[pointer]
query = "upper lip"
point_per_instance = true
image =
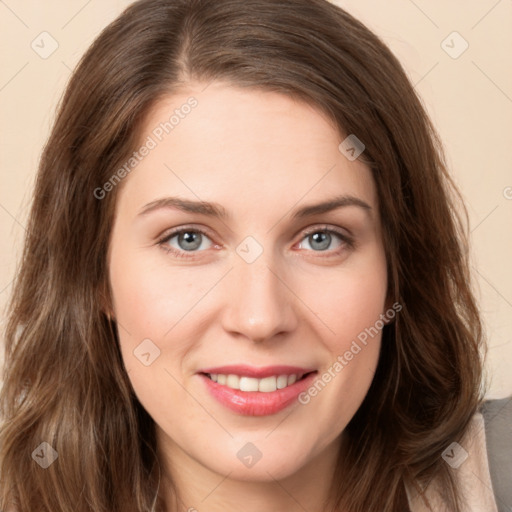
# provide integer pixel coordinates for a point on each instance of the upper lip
(258, 373)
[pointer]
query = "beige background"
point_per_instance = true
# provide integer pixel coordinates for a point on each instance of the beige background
(468, 97)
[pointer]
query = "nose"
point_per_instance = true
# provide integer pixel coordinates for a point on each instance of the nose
(259, 303)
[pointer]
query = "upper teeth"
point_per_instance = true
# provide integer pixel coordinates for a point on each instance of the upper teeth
(266, 385)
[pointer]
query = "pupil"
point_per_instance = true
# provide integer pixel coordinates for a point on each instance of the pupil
(188, 237)
(323, 238)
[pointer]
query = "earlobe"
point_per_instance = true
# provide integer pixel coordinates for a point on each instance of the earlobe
(387, 319)
(105, 305)
(389, 314)
(109, 315)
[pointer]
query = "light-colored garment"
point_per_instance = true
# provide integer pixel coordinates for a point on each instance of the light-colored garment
(472, 475)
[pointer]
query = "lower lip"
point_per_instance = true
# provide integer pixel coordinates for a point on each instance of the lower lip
(257, 403)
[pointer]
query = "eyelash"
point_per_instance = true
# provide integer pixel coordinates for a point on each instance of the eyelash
(347, 242)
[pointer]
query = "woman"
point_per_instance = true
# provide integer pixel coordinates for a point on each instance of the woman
(177, 339)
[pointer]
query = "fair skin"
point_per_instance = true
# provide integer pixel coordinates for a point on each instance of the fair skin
(261, 156)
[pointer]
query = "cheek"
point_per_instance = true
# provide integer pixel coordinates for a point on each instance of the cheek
(351, 306)
(148, 303)
(349, 301)
(149, 298)
(157, 302)
(143, 310)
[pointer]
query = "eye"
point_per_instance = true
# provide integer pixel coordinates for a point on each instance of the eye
(320, 239)
(185, 240)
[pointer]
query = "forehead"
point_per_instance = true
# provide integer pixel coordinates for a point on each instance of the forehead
(242, 147)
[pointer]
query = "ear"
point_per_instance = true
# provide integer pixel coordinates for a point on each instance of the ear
(106, 304)
(390, 310)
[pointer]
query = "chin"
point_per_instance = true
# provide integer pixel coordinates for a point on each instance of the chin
(261, 460)
(263, 471)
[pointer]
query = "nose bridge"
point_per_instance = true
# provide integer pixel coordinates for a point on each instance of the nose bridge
(258, 304)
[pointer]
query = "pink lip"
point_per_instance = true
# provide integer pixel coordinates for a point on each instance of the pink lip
(256, 403)
(258, 373)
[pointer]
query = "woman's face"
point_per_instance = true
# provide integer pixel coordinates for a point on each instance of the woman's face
(262, 281)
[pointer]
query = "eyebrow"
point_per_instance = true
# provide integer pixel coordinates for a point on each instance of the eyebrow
(217, 210)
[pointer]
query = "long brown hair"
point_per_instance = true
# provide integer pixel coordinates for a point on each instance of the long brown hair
(64, 379)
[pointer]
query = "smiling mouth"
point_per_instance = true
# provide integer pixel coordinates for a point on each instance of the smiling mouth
(260, 392)
(251, 384)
